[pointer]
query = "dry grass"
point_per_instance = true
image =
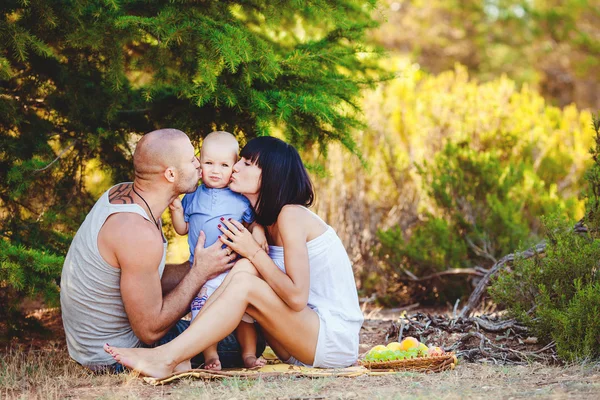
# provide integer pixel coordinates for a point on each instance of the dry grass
(41, 369)
(49, 374)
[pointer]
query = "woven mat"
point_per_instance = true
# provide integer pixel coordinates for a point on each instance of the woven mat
(276, 368)
(266, 371)
(272, 370)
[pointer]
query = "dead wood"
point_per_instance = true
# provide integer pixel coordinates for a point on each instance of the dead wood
(474, 338)
(498, 326)
(452, 271)
(477, 294)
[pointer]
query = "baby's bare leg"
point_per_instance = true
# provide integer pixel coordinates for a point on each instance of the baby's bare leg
(211, 358)
(246, 335)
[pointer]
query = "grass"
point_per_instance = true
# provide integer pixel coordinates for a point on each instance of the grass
(48, 373)
(40, 368)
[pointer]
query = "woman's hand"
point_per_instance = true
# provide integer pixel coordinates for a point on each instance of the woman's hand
(238, 238)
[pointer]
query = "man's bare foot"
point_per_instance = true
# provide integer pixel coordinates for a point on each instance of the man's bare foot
(213, 364)
(251, 361)
(148, 362)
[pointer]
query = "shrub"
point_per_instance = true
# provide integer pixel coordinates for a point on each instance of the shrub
(557, 293)
(485, 160)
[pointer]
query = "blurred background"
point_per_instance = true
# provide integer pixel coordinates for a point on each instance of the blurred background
(485, 128)
(438, 133)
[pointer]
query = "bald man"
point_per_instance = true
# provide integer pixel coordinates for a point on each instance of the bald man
(114, 287)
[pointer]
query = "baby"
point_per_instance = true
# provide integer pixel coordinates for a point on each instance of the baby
(202, 211)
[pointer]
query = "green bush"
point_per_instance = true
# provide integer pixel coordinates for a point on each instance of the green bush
(80, 81)
(472, 167)
(25, 273)
(557, 293)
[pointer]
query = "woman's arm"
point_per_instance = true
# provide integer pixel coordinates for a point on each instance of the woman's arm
(292, 286)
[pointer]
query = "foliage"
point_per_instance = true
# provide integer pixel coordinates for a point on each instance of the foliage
(488, 160)
(558, 293)
(550, 45)
(25, 273)
(80, 81)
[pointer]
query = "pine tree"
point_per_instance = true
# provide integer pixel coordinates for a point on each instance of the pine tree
(80, 79)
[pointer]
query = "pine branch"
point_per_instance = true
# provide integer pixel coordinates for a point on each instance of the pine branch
(60, 155)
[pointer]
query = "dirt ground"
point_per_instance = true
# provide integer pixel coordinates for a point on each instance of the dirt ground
(39, 367)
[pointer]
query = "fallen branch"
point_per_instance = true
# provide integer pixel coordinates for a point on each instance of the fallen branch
(452, 271)
(458, 335)
(477, 294)
(498, 327)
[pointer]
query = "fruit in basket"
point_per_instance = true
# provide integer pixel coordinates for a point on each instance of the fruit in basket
(409, 348)
(409, 343)
(412, 352)
(388, 355)
(394, 346)
(435, 351)
(423, 350)
(377, 348)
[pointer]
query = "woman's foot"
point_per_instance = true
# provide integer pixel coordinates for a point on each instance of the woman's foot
(183, 366)
(212, 364)
(147, 362)
(251, 361)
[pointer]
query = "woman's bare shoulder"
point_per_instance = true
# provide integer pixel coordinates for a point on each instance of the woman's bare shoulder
(298, 217)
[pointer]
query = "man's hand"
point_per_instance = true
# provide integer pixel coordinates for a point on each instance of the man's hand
(213, 260)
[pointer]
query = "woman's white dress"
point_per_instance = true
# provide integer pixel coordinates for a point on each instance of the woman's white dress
(332, 295)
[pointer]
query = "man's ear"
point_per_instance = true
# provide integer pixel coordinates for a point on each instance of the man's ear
(170, 174)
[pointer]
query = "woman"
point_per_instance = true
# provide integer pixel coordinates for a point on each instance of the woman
(302, 293)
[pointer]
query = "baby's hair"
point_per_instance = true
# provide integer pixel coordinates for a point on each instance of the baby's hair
(222, 137)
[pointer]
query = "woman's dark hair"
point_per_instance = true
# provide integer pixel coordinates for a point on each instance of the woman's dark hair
(284, 180)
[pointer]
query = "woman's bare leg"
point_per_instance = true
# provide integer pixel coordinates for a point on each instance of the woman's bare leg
(211, 356)
(297, 332)
(242, 265)
(277, 348)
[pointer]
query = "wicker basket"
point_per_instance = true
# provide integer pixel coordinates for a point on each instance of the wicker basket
(422, 364)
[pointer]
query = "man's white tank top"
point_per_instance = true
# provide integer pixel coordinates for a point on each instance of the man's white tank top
(90, 292)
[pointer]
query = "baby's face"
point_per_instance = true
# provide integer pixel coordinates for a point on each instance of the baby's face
(217, 163)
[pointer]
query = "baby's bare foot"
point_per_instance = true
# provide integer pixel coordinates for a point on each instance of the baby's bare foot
(148, 362)
(251, 361)
(213, 364)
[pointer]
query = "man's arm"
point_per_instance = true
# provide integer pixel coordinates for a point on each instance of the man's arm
(138, 249)
(172, 275)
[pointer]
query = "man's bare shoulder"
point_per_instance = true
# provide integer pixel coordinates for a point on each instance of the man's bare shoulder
(121, 194)
(130, 237)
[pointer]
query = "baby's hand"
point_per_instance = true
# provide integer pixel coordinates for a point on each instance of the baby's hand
(176, 205)
(258, 233)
